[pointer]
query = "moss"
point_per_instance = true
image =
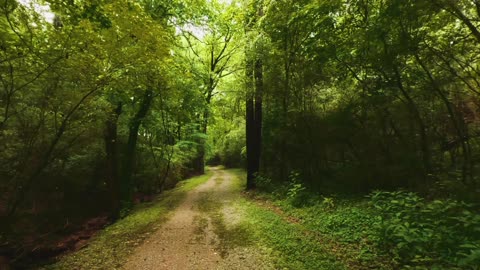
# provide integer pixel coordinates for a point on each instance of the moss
(110, 248)
(229, 235)
(207, 204)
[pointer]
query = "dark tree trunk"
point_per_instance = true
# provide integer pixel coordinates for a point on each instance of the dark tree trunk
(112, 161)
(451, 7)
(126, 189)
(257, 139)
(254, 115)
(422, 129)
(250, 127)
(199, 161)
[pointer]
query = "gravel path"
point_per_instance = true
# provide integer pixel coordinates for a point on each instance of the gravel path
(204, 232)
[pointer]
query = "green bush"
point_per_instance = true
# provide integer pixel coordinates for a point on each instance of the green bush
(434, 233)
(264, 182)
(297, 192)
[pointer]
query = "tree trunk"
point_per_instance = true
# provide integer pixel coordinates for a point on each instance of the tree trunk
(126, 189)
(257, 140)
(47, 157)
(250, 126)
(199, 161)
(112, 161)
(254, 114)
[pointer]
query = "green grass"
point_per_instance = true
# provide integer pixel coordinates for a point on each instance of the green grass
(289, 245)
(345, 224)
(386, 230)
(110, 248)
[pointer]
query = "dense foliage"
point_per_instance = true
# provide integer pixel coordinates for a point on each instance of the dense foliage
(384, 230)
(93, 114)
(366, 95)
(437, 233)
(385, 91)
(105, 103)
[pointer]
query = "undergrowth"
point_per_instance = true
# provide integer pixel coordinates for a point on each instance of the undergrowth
(428, 234)
(109, 249)
(288, 244)
(384, 230)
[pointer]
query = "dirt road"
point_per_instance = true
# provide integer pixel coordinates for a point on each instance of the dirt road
(204, 232)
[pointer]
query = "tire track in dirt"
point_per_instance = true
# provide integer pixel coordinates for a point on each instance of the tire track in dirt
(204, 232)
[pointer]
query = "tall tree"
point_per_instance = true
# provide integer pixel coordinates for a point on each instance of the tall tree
(254, 78)
(211, 47)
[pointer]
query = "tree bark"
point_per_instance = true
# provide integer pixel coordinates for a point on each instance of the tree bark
(126, 189)
(254, 72)
(250, 125)
(112, 161)
(451, 7)
(424, 142)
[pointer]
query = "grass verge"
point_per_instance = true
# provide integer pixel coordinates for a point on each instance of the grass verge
(341, 226)
(289, 244)
(110, 248)
(384, 230)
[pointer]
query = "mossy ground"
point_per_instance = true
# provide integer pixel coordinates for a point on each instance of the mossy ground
(110, 248)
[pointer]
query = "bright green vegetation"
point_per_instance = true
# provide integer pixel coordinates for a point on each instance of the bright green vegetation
(109, 249)
(104, 104)
(385, 230)
(435, 233)
(107, 103)
(289, 245)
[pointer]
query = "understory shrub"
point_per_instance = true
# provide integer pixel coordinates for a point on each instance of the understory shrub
(443, 233)
(297, 192)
